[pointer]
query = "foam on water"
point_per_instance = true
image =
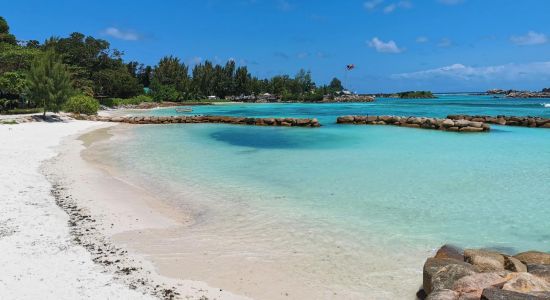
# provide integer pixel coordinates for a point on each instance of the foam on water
(349, 209)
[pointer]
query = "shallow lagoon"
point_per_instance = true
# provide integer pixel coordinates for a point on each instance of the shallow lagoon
(364, 204)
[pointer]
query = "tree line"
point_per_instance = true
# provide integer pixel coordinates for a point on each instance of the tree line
(89, 66)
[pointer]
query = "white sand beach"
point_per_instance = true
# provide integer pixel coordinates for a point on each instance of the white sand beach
(43, 257)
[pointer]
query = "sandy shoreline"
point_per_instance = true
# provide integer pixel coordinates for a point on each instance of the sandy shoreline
(70, 255)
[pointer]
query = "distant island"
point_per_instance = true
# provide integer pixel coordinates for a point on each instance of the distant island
(544, 93)
(409, 95)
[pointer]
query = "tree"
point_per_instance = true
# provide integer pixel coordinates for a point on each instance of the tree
(5, 35)
(49, 82)
(171, 75)
(116, 83)
(12, 85)
(15, 58)
(336, 85)
(242, 79)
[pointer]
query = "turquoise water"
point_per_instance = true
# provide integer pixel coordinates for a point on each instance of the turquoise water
(327, 113)
(368, 189)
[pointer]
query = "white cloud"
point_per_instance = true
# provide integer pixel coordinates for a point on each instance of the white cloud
(444, 43)
(285, 5)
(531, 38)
(384, 47)
(389, 8)
(450, 2)
(422, 39)
(510, 72)
(121, 34)
(372, 4)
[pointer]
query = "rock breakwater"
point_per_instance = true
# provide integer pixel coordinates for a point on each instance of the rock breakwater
(506, 120)
(454, 274)
(288, 122)
(417, 122)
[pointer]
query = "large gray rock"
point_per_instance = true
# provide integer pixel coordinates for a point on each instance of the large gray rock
(434, 272)
(526, 283)
(484, 260)
(534, 258)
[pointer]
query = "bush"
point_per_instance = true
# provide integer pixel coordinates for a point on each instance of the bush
(113, 102)
(81, 104)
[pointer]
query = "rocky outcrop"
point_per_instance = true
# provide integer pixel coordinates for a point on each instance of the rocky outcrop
(545, 93)
(506, 120)
(349, 98)
(288, 122)
(417, 122)
(475, 274)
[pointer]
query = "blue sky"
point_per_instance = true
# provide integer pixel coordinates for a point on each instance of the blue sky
(440, 45)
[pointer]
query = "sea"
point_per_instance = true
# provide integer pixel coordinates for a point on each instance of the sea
(340, 211)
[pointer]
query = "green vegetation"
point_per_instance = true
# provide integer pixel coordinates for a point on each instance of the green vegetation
(49, 82)
(34, 74)
(82, 104)
(114, 102)
(8, 122)
(416, 95)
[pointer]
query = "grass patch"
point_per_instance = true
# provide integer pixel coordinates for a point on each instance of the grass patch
(8, 122)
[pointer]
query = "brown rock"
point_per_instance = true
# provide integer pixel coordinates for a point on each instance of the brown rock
(526, 283)
(345, 119)
(447, 123)
(473, 285)
(443, 295)
(513, 264)
(446, 277)
(411, 125)
(484, 260)
(433, 265)
(498, 294)
(534, 258)
(449, 251)
(471, 129)
(541, 271)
